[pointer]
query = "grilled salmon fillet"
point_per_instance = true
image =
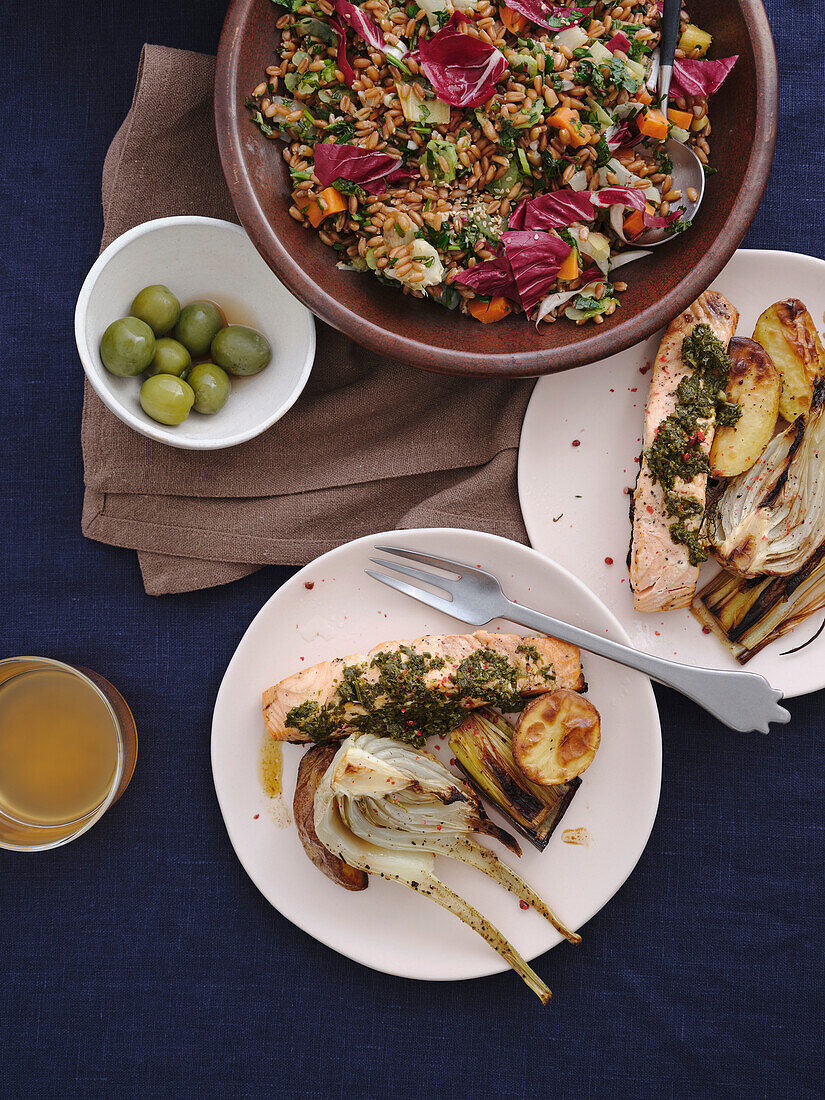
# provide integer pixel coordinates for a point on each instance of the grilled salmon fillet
(535, 664)
(661, 574)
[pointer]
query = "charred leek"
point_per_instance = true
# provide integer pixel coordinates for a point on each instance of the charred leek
(482, 747)
(749, 613)
(388, 809)
(771, 519)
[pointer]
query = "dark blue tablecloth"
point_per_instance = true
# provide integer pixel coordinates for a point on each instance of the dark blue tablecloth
(141, 961)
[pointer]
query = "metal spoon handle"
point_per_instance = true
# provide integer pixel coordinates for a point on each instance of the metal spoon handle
(741, 700)
(671, 25)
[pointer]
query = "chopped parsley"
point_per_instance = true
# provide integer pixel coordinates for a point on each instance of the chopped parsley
(590, 73)
(508, 136)
(594, 306)
(551, 165)
(681, 225)
(568, 238)
(259, 120)
(347, 187)
(603, 153)
(621, 76)
(342, 130)
(478, 227)
(637, 50)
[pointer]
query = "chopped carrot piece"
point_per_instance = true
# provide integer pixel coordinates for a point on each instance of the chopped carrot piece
(315, 210)
(564, 116)
(634, 223)
(680, 118)
(332, 201)
(309, 207)
(569, 269)
(488, 312)
(566, 121)
(514, 21)
(314, 213)
(574, 137)
(653, 124)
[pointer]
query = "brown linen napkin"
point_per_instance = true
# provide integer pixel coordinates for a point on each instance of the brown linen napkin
(371, 445)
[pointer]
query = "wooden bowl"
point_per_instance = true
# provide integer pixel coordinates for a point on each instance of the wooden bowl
(743, 115)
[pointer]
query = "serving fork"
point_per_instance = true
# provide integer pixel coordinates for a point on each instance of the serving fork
(740, 700)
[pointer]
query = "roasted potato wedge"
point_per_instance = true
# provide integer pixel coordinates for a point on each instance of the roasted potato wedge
(787, 333)
(556, 737)
(755, 386)
(311, 770)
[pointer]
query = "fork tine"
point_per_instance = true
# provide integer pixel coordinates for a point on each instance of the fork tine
(419, 594)
(427, 559)
(416, 574)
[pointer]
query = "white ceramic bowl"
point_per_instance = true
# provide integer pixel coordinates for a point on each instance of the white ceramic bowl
(198, 258)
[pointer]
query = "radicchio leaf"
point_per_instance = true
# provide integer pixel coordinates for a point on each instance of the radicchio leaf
(535, 259)
(620, 196)
(342, 61)
(516, 219)
(462, 69)
(372, 171)
(363, 26)
(659, 221)
(553, 210)
(621, 133)
(619, 41)
(560, 208)
(553, 17)
(491, 278)
(694, 77)
(635, 198)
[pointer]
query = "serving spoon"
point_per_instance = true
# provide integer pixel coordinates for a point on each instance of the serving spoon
(687, 171)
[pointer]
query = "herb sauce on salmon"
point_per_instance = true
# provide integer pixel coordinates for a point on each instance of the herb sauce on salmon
(683, 409)
(413, 690)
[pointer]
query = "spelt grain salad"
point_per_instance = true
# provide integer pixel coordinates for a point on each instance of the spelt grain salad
(493, 158)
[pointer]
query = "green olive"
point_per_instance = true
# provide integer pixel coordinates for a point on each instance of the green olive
(241, 350)
(166, 398)
(211, 387)
(158, 307)
(127, 347)
(197, 324)
(170, 358)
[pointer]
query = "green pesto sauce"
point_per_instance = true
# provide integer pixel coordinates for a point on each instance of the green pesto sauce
(676, 453)
(529, 651)
(400, 704)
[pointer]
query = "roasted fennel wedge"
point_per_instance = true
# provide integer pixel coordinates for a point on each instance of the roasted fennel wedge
(483, 749)
(771, 519)
(389, 809)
